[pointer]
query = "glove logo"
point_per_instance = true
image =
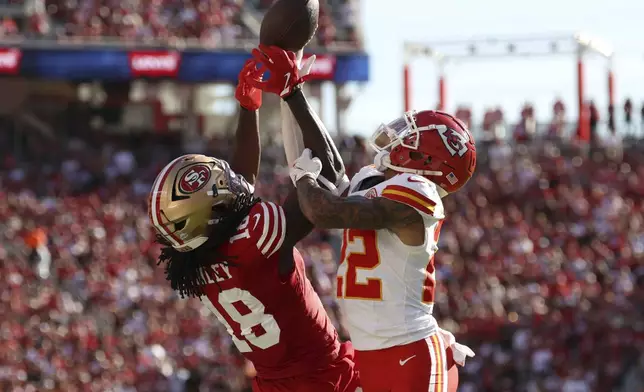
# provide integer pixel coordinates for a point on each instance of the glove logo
(286, 89)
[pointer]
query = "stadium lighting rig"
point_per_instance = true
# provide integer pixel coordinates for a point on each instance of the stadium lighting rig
(578, 45)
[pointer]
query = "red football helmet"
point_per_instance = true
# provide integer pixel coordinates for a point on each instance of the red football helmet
(430, 143)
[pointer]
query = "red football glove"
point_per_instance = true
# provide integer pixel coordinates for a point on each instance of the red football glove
(249, 97)
(285, 74)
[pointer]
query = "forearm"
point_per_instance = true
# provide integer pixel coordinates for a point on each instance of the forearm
(247, 150)
(316, 137)
(309, 194)
(327, 211)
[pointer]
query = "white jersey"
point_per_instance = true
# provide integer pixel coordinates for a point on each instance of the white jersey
(386, 288)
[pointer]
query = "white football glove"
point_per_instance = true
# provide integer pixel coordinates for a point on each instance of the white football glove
(305, 166)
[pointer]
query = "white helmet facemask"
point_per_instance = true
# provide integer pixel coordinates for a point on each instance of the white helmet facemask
(390, 135)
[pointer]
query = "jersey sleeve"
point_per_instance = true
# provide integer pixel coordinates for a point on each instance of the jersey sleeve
(416, 192)
(267, 227)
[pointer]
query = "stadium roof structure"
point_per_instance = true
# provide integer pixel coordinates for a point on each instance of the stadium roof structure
(578, 45)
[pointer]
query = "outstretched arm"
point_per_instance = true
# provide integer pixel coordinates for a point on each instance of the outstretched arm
(247, 150)
(285, 80)
(316, 137)
(318, 140)
(328, 211)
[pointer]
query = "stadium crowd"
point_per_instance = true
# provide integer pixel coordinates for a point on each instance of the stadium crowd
(213, 23)
(540, 269)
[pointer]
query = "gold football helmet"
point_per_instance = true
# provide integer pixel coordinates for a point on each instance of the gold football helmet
(186, 195)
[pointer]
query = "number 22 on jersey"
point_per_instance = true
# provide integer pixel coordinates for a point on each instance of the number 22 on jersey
(360, 252)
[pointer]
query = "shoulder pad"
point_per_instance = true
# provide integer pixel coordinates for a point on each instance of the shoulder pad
(415, 191)
(267, 227)
(364, 174)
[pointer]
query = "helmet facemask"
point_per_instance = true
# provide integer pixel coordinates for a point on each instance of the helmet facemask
(397, 132)
(236, 186)
(401, 132)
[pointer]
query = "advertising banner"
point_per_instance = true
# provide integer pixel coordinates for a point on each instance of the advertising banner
(324, 66)
(10, 61)
(80, 63)
(155, 64)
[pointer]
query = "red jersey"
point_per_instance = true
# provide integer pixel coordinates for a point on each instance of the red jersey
(278, 323)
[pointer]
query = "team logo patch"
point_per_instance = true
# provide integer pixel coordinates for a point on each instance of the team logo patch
(455, 142)
(416, 179)
(194, 179)
(371, 193)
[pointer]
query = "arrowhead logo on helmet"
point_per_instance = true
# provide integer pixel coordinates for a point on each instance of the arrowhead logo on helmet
(455, 142)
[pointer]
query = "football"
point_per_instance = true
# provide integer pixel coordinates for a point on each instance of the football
(290, 24)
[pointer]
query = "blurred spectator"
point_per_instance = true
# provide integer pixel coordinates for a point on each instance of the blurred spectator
(628, 111)
(8, 28)
(464, 114)
(527, 126)
(558, 120)
(611, 118)
(493, 126)
(628, 116)
(594, 122)
(39, 256)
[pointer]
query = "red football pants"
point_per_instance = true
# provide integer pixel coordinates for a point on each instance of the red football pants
(422, 366)
(339, 376)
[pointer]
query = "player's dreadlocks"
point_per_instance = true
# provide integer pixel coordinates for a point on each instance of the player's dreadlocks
(185, 270)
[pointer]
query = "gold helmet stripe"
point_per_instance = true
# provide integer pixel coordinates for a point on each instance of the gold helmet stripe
(155, 202)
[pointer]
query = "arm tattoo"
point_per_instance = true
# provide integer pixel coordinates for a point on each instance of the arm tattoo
(328, 211)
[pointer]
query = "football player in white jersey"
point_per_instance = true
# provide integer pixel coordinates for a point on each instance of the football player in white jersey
(392, 218)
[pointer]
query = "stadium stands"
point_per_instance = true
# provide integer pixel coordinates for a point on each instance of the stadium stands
(540, 269)
(215, 23)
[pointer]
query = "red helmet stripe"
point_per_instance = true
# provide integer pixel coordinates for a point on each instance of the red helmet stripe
(155, 204)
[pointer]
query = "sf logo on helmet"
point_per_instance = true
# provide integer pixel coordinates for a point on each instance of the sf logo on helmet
(455, 142)
(194, 179)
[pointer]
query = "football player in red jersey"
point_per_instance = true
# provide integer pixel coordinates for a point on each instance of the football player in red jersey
(236, 253)
(391, 220)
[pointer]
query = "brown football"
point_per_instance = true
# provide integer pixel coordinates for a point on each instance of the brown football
(290, 24)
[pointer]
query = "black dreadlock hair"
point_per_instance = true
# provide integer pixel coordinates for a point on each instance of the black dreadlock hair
(185, 270)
